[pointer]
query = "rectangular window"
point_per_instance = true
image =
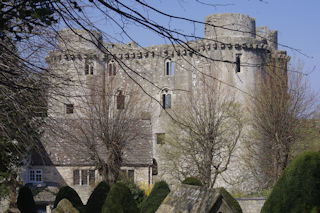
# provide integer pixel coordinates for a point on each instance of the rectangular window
(91, 177)
(172, 68)
(166, 101)
(238, 63)
(76, 177)
(86, 69)
(83, 177)
(160, 138)
(35, 176)
(120, 101)
(69, 108)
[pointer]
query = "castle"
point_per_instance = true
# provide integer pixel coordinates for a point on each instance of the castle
(233, 50)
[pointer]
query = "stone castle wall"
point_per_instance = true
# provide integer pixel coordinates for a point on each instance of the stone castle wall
(227, 36)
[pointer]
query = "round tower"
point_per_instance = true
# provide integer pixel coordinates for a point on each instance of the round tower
(76, 39)
(229, 25)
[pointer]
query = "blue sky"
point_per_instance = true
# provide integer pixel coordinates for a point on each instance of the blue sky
(297, 23)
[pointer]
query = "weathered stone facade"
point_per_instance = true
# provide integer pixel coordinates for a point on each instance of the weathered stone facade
(160, 70)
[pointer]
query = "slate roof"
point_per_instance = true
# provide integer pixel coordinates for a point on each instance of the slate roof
(64, 151)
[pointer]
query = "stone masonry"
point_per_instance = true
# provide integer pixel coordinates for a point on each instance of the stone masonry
(160, 70)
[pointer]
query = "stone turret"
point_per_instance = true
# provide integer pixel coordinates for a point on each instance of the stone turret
(229, 25)
(270, 36)
(75, 39)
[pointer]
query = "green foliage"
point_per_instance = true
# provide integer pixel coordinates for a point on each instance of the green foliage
(137, 193)
(119, 200)
(233, 202)
(298, 188)
(65, 206)
(25, 201)
(71, 195)
(192, 181)
(97, 197)
(157, 195)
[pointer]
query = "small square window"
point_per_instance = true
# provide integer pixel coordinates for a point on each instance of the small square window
(35, 175)
(160, 138)
(69, 108)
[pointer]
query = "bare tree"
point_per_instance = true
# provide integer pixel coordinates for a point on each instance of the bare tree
(204, 134)
(105, 122)
(279, 116)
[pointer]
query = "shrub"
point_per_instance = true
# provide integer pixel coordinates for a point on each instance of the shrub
(71, 195)
(25, 201)
(119, 200)
(157, 195)
(192, 181)
(233, 202)
(298, 188)
(97, 197)
(65, 206)
(137, 193)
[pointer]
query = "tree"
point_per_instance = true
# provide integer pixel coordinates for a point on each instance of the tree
(20, 104)
(105, 122)
(279, 116)
(205, 133)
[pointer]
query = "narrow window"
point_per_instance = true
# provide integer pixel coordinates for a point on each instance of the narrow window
(86, 69)
(38, 176)
(120, 100)
(69, 108)
(91, 177)
(166, 101)
(131, 175)
(160, 138)
(112, 68)
(237, 63)
(172, 68)
(91, 69)
(84, 177)
(32, 176)
(169, 67)
(76, 177)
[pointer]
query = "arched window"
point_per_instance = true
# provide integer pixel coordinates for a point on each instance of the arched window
(169, 67)
(165, 99)
(112, 68)
(88, 68)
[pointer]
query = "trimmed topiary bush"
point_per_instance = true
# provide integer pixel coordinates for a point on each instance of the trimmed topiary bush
(192, 181)
(298, 188)
(65, 206)
(71, 195)
(137, 193)
(119, 200)
(25, 201)
(97, 197)
(157, 195)
(233, 202)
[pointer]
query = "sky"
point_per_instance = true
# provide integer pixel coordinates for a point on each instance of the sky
(297, 23)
